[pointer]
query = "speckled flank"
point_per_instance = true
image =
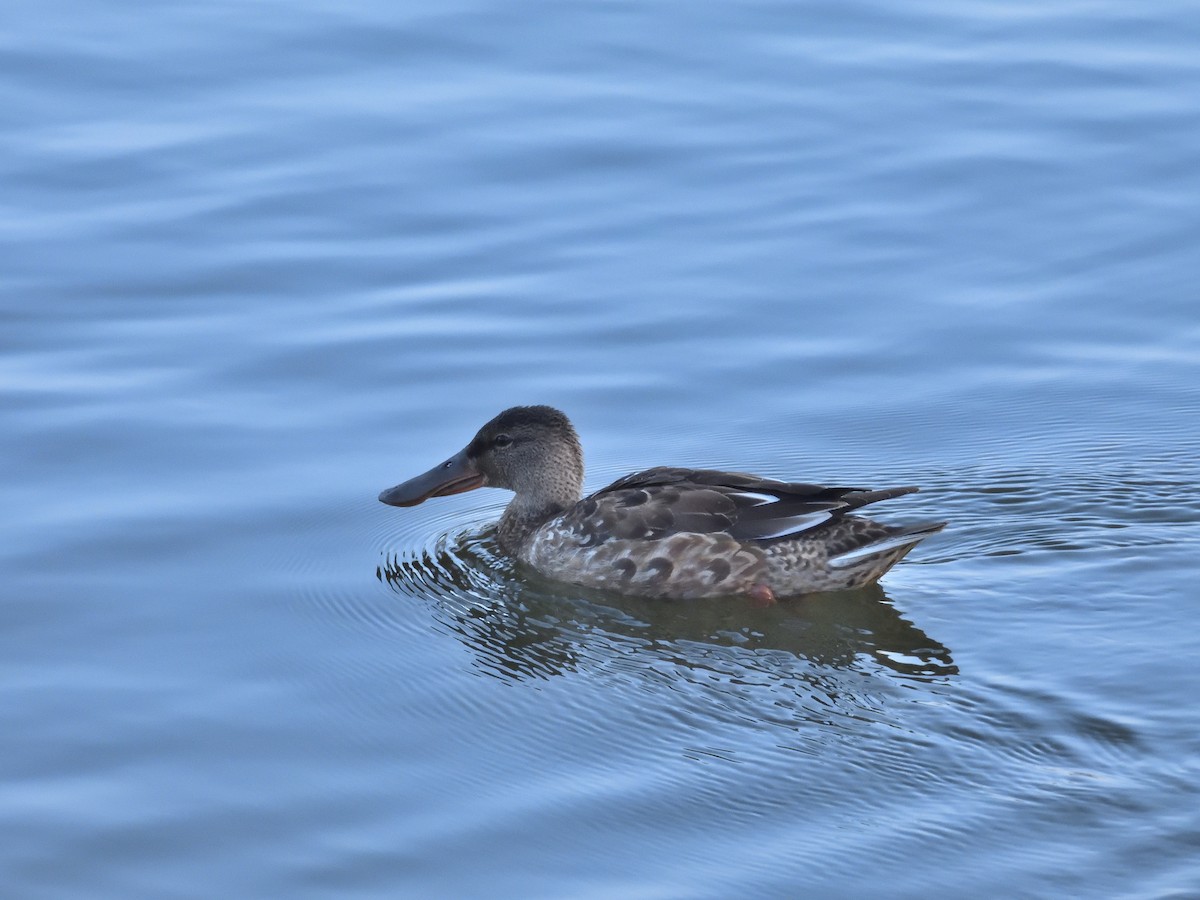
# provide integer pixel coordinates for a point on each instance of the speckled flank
(691, 566)
(686, 566)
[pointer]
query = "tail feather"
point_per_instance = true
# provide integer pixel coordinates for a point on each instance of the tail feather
(905, 536)
(858, 499)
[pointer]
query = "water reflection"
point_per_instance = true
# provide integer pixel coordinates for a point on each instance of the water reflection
(519, 625)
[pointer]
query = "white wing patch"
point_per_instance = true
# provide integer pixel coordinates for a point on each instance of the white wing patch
(755, 498)
(782, 527)
(850, 557)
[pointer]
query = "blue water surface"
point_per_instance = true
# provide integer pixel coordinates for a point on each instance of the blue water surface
(260, 261)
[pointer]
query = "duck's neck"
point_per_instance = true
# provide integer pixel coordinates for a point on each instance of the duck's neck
(542, 492)
(525, 515)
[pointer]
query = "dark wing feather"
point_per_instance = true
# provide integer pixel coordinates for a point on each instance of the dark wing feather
(657, 502)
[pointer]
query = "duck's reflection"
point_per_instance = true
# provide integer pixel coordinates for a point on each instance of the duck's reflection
(519, 626)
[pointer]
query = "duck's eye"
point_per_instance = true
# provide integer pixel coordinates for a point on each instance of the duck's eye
(501, 441)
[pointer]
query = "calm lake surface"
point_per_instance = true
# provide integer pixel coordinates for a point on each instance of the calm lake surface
(262, 260)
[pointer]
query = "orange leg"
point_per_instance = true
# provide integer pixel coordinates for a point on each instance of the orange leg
(761, 596)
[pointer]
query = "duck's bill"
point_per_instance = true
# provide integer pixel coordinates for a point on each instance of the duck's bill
(454, 476)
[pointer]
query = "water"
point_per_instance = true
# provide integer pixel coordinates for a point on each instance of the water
(262, 260)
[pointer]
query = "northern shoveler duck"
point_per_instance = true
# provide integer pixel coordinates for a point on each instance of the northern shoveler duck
(665, 532)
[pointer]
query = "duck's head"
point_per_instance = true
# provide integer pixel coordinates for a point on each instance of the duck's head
(532, 450)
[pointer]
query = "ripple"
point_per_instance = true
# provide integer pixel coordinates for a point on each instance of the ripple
(1048, 510)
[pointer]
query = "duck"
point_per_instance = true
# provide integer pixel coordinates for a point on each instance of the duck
(666, 532)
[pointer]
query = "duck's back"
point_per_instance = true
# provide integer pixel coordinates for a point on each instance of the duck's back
(674, 532)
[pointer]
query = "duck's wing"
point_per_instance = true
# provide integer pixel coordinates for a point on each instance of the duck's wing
(658, 502)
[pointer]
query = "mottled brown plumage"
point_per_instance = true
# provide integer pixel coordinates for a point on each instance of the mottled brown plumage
(666, 532)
